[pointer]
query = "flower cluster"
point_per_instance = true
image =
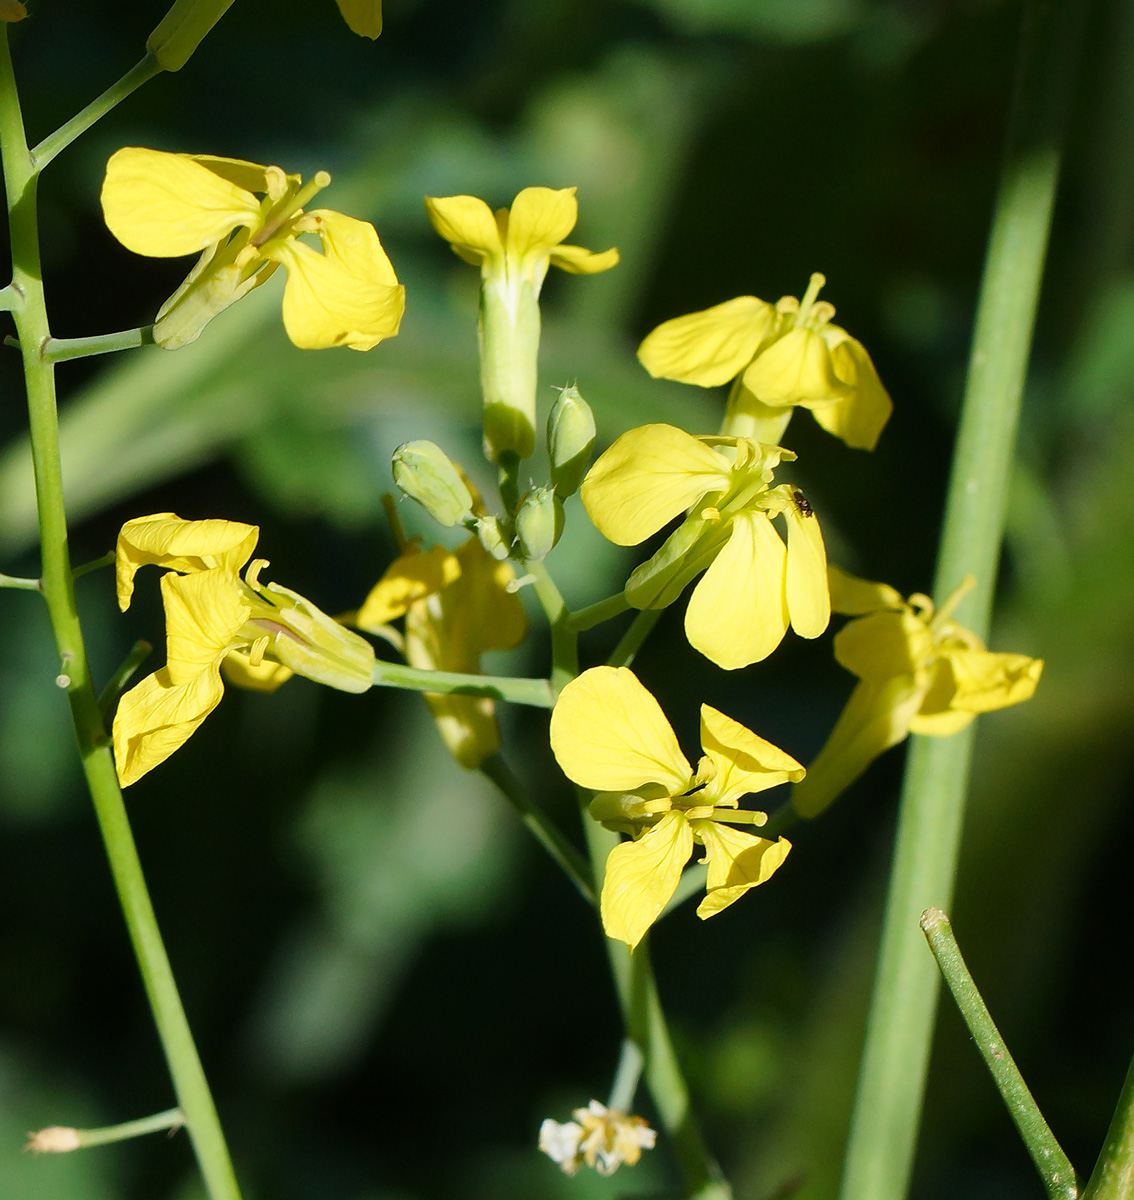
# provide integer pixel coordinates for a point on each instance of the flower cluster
(602, 1138)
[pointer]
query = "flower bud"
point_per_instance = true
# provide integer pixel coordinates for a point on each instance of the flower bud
(182, 29)
(425, 473)
(539, 523)
(492, 537)
(570, 440)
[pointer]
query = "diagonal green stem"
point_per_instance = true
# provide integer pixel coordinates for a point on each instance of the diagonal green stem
(534, 692)
(64, 349)
(1113, 1176)
(194, 1098)
(900, 1027)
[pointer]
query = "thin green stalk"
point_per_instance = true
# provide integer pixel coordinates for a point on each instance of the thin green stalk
(15, 581)
(625, 1085)
(632, 639)
(58, 141)
(108, 697)
(594, 614)
(1113, 1176)
(194, 1098)
(891, 1082)
(1053, 1165)
(63, 349)
(533, 692)
(564, 639)
(60, 1138)
(549, 836)
(96, 564)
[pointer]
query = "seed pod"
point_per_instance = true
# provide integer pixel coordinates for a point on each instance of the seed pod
(570, 440)
(425, 473)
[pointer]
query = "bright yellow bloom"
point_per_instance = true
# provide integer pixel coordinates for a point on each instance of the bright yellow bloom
(781, 356)
(601, 1137)
(919, 672)
(457, 607)
(262, 633)
(166, 205)
(754, 586)
(513, 249)
(610, 735)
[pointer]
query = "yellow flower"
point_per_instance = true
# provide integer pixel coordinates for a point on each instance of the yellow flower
(610, 735)
(919, 672)
(513, 249)
(457, 607)
(261, 633)
(754, 586)
(780, 357)
(166, 205)
(363, 16)
(601, 1137)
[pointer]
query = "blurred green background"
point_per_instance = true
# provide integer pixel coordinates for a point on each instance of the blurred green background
(390, 985)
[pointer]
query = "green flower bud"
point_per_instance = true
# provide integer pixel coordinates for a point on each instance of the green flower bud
(539, 523)
(570, 440)
(425, 473)
(492, 538)
(182, 29)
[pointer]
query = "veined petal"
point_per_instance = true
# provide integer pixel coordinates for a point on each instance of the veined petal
(363, 17)
(157, 717)
(966, 682)
(405, 580)
(737, 861)
(884, 644)
(738, 613)
(468, 225)
(266, 677)
(646, 478)
(860, 417)
(641, 877)
(539, 219)
(808, 597)
(165, 540)
(577, 261)
(346, 296)
(204, 612)
(745, 763)
(854, 596)
(709, 347)
(793, 369)
(165, 205)
(610, 735)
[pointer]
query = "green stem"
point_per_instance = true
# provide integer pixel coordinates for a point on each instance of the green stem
(20, 177)
(573, 864)
(118, 681)
(10, 299)
(622, 1091)
(82, 121)
(61, 1138)
(594, 614)
(1113, 1176)
(15, 581)
(96, 564)
(533, 692)
(63, 349)
(564, 639)
(891, 1082)
(632, 639)
(1053, 1165)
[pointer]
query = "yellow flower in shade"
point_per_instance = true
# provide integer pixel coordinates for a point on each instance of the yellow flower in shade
(457, 607)
(261, 633)
(781, 356)
(610, 735)
(363, 16)
(513, 249)
(247, 220)
(919, 672)
(753, 585)
(601, 1137)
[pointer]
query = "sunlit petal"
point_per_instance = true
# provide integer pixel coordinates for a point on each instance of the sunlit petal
(641, 877)
(793, 369)
(854, 596)
(737, 862)
(808, 598)
(745, 763)
(883, 644)
(577, 261)
(204, 612)
(405, 580)
(468, 225)
(539, 219)
(708, 347)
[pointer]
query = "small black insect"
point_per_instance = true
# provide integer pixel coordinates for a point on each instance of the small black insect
(801, 501)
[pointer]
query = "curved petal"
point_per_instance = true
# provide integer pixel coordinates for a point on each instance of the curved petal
(808, 596)
(859, 418)
(468, 225)
(738, 613)
(577, 261)
(346, 296)
(854, 596)
(266, 677)
(884, 644)
(363, 17)
(204, 613)
(157, 717)
(745, 763)
(165, 205)
(539, 219)
(646, 478)
(709, 347)
(737, 861)
(641, 877)
(966, 682)
(165, 540)
(408, 578)
(793, 369)
(610, 735)
(250, 176)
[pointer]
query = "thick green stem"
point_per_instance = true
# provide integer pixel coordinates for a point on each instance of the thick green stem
(891, 1082)
(16, 581)
(1113, 1176)
(1053, 1165)
(194, 1098)
(534, 692)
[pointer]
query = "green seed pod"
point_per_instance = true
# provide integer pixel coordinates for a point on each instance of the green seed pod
(539, 522)
(424, 472)
(181, 30)
(570, 440)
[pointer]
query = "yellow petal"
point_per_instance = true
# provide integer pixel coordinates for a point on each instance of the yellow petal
(649, 476)
(884, 644)
(737, 861)
(468, 225)
(364, 17)
(577, 261)
(860, 417)
(405, 580)
(738, 613)
(249, 176)
(204, 612)
(610, 735)
(238, 670)
(157, 717)
(708, 347)
(346, 296)
(467, 725)
(855, 596)
(745, 763)
(966, 682)
(641, 877)
(165, 205)
(165, 540)
(808, 597)
(793, 369)
(539, 219)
